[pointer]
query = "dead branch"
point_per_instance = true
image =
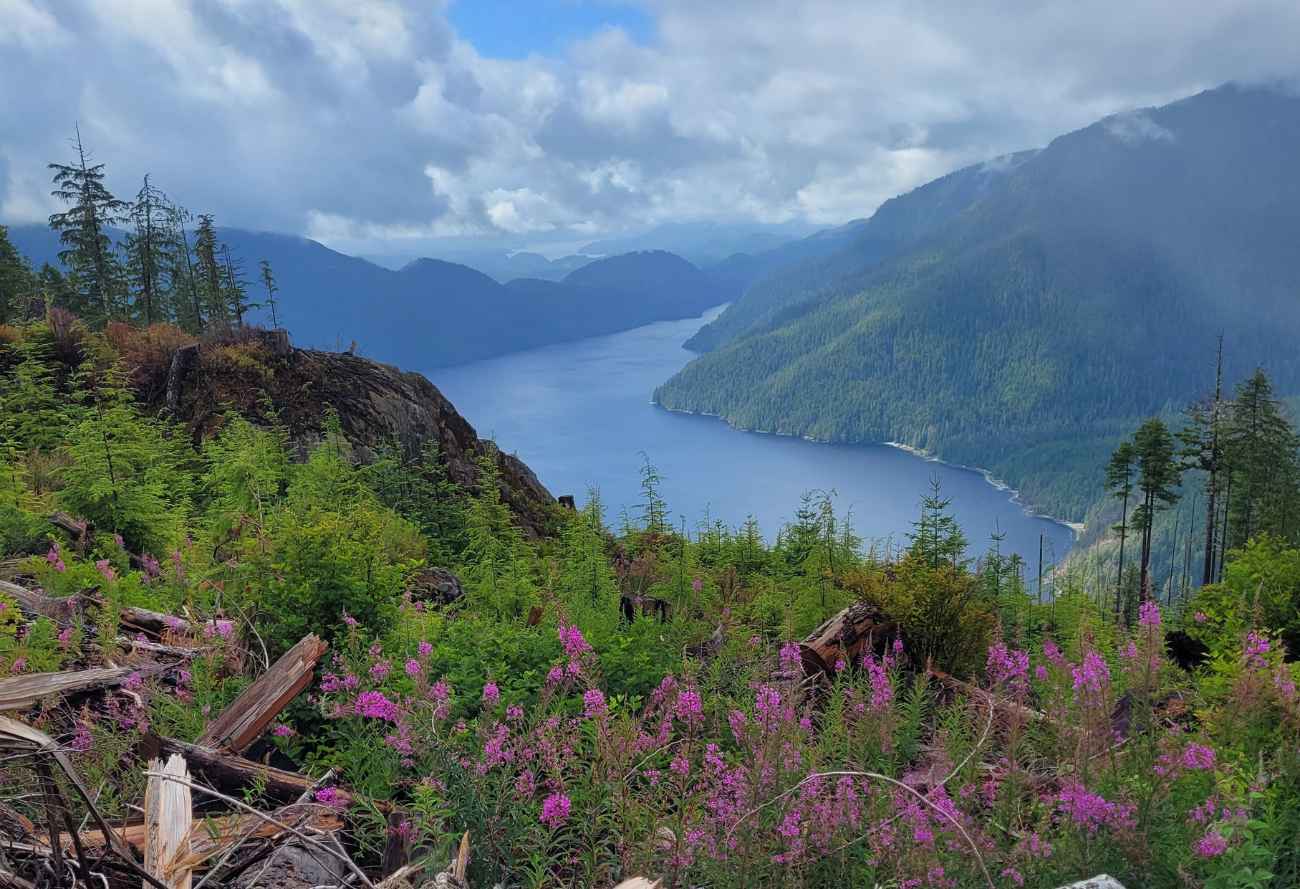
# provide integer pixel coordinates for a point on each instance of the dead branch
(240, 724)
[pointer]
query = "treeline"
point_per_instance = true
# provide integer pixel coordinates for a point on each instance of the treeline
(170, 266)
(1241, 456)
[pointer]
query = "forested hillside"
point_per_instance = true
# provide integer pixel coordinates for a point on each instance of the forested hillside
(428, 314)
(1081, 291)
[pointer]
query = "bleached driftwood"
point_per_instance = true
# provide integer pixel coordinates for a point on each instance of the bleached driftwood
(168, 822)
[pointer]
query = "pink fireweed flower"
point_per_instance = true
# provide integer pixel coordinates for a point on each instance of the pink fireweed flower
(350, 620)
(379, 670)
(593, 702)
(882, 689)
(332, 797)
(1091, 811)
(680, 765)
(690, 707)
(81, 738)
(283, 731)
(555, 675)
(134, 681)
(1256, 647)
(1040, 673)
(791, 660)
(555, 810)
(152, 570)
(375, 705)
(1212, 845)
(1149, 614)
(1200, 617)
(106, 570)
(1052, 653)
(491, 694)
(572, 639)
(424, 649)
(219, 628)
(697, 585)
(1007, 666)
(440, 691)
(1091, 675)
(65, 637)
(55, 558)
(19, 665)
(1198, 756)
(413, 667)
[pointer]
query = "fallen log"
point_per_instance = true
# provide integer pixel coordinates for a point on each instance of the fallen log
(64, 608)
(24, 692)
(168, 823)
(83, 535)
(248, 716)
(843, 637)
(230, 773)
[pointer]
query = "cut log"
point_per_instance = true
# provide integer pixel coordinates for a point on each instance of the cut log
(212, 836)
(231, 774)
(64, 608)
(168, 822)
(1026, 713)
(843, 637)
(24, 692)
(248, 716)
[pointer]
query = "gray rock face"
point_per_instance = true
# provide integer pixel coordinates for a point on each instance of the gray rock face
(258, 372)
(1101, 881)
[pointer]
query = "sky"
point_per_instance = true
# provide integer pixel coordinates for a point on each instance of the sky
(387, 125)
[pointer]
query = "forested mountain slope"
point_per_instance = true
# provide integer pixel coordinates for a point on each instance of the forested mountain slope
(1081, 290)
(433, 313)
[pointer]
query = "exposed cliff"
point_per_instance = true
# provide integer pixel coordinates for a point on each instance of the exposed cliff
(260, 374)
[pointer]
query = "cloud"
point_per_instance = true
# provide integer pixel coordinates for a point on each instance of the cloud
(1134, 128)
(363, 123)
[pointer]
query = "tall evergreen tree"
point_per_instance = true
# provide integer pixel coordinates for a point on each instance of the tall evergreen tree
(145, 249)
(83, 229)
(1202, 448)
(234, 286)
(17, 283)
(186, 298)
(1119, 481)
(268, 281)
(207, 251)
(1158, 475)
(1261, 447)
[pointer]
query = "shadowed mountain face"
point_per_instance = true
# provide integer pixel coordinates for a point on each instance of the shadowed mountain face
(432, 313)
(1020, 316)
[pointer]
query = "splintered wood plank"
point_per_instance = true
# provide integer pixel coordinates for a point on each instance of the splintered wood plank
(247, 717)
(168, 822)
(24, 692)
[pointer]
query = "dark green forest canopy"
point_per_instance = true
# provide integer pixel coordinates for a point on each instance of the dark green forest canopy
(1069, 297)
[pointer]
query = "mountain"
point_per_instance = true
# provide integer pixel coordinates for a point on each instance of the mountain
(432, 313)
(777, 279)
(1022, 317)
(703, 243)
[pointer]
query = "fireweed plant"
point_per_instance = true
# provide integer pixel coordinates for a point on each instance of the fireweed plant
(600, 704)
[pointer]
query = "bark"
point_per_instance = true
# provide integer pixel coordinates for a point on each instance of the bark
(168, 823)
(24, 692)
(243, 722)
(232, 774)
(844, 637)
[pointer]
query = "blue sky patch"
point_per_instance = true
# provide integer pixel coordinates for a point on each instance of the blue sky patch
(513, 29)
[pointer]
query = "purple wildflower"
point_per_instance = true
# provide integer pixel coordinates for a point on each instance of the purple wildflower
(555, 810)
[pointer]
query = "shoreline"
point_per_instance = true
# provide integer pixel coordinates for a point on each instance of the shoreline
(1077, 528)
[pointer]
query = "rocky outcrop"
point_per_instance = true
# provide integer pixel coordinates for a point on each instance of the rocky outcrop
(260, 374)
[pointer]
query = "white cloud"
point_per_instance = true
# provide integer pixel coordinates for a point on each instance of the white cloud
(367, 122)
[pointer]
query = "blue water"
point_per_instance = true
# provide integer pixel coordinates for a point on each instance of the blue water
(580, 415)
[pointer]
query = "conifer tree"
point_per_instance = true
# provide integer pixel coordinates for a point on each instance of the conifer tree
(268, 281)
(207, 251)
(183, 284)
(1119, 481)
(654, 511)
(145, 250)
(83, 229)
(17, 283)
(236, 289)
(1202, 448)
(1158, 474)
(936, 537)
(1261, 447)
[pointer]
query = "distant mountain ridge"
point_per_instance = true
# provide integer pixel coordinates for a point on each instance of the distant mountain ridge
(1022, 317)
(433, 313)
